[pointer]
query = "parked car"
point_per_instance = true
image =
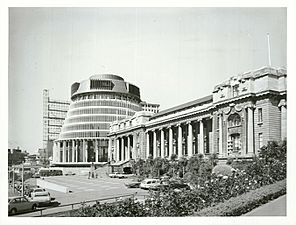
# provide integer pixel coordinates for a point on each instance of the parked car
(38, 190)
(148, 183)
(36, 175)
(41, 198)
(20, 204)
(69, 173)
(133, 184)
(113, 175)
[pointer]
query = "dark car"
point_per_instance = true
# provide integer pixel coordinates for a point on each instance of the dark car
(20, 204)
(170, 185)
(134, 184)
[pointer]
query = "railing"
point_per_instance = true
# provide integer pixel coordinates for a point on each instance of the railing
(71, 206)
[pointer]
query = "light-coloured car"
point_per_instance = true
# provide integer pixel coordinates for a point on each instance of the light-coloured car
(38, 190)
(113, 175)
(148, 183)
(20, 204)
(41, 198)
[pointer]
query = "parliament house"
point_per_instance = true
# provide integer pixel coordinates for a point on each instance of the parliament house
(240, 116)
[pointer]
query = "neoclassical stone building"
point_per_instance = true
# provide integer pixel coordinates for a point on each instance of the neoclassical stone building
(241, 115)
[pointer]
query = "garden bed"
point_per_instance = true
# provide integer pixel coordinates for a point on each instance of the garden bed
(244, 203)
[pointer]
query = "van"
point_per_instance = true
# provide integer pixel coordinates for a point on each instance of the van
(148, 183)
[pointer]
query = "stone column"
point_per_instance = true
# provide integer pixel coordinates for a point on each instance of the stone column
(180, 141)
(154, 144)
(117, 149)
(171, 150)
(283, 107)
(162, 153)
(147, 145)
(220, 133)
(128, 148)
(201, 137)
(73, 151)
(251, 130)
(122, 149)
(97, 151)
(86, 152)
(64, 151)
(76, 150)
(83, 150)
(190, 140)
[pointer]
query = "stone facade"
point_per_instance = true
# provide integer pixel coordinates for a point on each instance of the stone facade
(241, 115)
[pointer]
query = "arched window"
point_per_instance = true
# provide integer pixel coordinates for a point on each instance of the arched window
(234, 120)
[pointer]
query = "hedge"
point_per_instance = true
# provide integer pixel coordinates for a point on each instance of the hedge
(244, 203)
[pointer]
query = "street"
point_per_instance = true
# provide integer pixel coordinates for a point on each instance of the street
(84, 189)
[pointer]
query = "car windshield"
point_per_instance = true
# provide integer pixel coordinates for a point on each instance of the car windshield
(39, 190)
(41, 194)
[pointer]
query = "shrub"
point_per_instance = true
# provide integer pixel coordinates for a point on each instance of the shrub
(242, 204)
(224, 170)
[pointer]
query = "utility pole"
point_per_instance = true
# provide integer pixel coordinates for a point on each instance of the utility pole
(12, 167)
(23, 179)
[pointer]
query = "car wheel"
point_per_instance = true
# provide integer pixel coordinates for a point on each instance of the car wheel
(34, 207)
(13, 211)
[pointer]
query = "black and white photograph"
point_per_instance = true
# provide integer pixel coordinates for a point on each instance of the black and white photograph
(147, 112)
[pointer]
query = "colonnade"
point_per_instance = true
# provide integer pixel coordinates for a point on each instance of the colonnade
(182, 139)
(125, 148)
(73, 151)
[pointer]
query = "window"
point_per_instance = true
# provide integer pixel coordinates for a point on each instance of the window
(235, 91)
(260, 137)
(260, 117)
(234, 120)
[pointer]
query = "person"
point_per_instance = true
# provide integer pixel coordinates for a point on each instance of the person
(88, 174)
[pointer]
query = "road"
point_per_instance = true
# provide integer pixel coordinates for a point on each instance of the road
(84, 189)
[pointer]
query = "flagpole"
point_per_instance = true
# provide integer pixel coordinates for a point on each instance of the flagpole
(268, 46)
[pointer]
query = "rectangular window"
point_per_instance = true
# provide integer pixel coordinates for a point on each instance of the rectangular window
(260, 137)
(260, 117)
(235, 91)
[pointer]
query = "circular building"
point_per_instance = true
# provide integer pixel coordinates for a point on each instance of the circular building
(95, 104)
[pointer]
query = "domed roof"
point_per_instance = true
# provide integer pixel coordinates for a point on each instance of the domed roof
(106, 77)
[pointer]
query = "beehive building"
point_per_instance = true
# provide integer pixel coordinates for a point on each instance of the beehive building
(95, 103)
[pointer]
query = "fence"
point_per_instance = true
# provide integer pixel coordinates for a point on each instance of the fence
(71, 206)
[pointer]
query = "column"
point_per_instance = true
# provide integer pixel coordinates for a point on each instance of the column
(122, 149)
(76, 150)
(179, 141)
(54, 152)
(72, 151)
(86, 152)
(162, 153)
(220, 134)
(147, 145)
(154, 145)
(97, 150)
(190, 140)
(250, 130)
(117, 150)
(171, 150)
(64, 151)
(83, 150)
(283, 108)
(128, 148)
(201, 137)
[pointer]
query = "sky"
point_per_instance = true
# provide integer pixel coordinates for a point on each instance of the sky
(174, 55)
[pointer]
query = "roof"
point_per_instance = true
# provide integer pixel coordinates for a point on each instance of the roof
(183, 106)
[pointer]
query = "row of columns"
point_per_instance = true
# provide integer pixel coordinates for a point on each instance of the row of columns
(74, 150)
(125, 148)
(164, 151)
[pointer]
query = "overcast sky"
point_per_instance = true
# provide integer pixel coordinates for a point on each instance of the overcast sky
(174, 55)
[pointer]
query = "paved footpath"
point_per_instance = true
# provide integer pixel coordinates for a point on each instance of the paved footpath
(276, 207)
